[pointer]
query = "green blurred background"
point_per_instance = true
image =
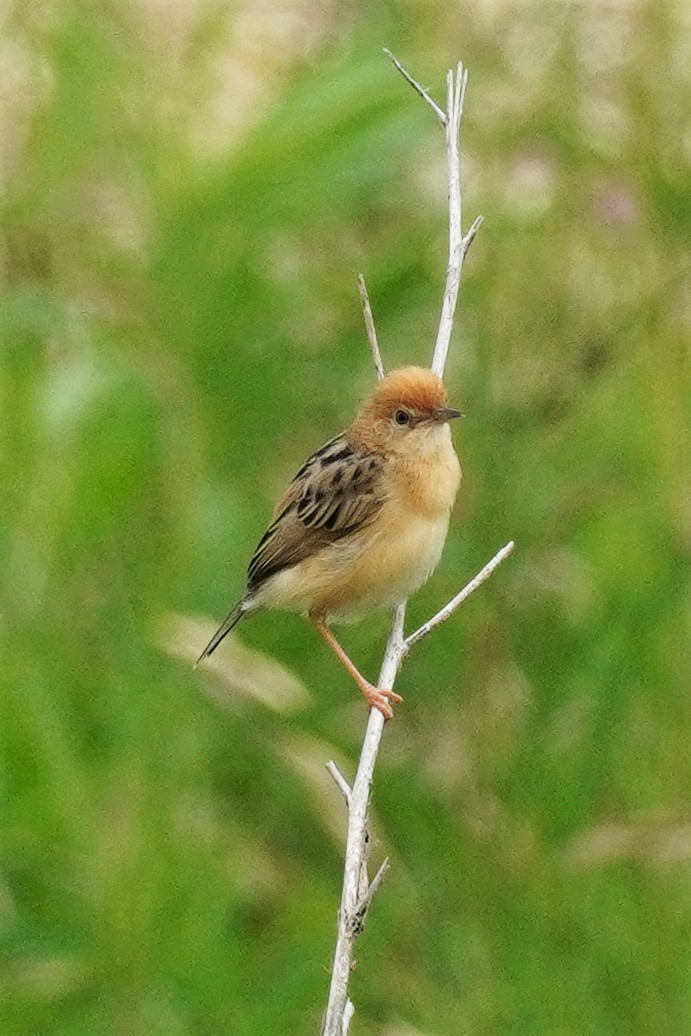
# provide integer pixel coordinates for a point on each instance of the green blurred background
(189, 190)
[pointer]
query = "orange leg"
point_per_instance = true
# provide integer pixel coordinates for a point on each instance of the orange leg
(374, 696)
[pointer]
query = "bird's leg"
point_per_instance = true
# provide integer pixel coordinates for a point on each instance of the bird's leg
(374, 696)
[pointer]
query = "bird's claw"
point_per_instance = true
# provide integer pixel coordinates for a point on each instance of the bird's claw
(379, 698)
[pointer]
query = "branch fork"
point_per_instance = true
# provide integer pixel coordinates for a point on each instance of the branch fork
(358, 892)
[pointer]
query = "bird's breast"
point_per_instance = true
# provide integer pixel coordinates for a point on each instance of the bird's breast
(383, 565)
(427, 475)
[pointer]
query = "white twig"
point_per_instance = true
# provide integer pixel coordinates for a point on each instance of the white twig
(348, 1016)
(358, 892)
(369, 326)
(372, 890)
(460, 597)
(470, 235)
(455, 92)
(340, 780)
(458, 244)
(439, 112)
(356, 843)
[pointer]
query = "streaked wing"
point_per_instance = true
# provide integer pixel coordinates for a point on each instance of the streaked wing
(335, 492)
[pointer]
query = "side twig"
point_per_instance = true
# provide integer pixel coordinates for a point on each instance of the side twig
(339, 779)
(369, 327)
(439, 112)
(358, 892)
(460, 597)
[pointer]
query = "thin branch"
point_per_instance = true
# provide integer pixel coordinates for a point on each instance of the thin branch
(470, 234)
(455, 602)
(340, 780)
(439, 112)
(455, 89)
(351, 914)
(369, 326)
(357, 837)
(365, 902)
(347, 1017)
(357, 892)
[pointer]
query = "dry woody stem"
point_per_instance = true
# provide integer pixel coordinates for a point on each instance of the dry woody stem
(369, 327)
(358, 891)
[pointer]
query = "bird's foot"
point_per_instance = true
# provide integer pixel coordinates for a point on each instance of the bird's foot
(379, 698)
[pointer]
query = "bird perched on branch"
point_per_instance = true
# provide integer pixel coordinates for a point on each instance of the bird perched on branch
(363, 523)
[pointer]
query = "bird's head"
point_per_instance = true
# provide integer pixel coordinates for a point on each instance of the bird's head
(408, 405)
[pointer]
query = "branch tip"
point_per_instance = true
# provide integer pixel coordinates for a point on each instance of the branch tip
(348, 1013)
(369, 326)
(471, 232)
(377, 879)
(339, 780)
(439, 112)
(365, 902)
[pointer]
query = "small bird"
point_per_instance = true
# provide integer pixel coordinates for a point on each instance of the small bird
(363, 523)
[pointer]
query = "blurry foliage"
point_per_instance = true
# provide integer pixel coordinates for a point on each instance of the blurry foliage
(188, 193)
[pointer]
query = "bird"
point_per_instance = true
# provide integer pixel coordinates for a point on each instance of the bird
(363, 523)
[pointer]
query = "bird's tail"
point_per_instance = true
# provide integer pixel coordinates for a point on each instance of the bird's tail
(226, 626)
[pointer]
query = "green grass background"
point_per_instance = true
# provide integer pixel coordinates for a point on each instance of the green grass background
(188, 192)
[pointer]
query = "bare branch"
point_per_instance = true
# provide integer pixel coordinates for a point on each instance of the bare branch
(460, 597)
(369, 326)
(470, 235)
(455, 89)
(364, 903)
(357, 837)
(458, 244)
(357, 892)
(347, 1017)
(358, 919)
(340, 780)
(439, 112)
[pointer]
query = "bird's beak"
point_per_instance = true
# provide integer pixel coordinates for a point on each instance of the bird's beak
(446, 413)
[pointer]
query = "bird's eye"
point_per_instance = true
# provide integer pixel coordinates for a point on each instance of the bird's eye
(401, 417)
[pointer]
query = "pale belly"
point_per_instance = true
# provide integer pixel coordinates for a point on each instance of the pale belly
(378, 568)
